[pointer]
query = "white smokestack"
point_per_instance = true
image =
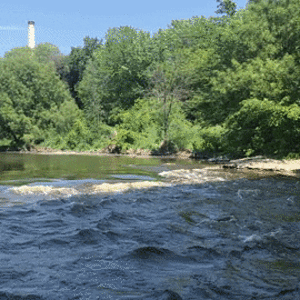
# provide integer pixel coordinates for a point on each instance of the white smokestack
(31, 41)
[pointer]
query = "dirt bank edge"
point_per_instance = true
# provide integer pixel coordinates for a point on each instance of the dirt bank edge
(262, 163)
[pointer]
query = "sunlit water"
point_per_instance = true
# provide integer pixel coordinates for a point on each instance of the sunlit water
(193, 235)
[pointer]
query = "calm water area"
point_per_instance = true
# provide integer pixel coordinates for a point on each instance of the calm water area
(92, 227)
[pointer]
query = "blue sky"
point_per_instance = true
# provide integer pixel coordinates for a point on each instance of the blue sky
(66, 23)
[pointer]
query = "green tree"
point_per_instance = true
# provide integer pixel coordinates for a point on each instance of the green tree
(116, 75)
(77, 62)
(168, 86)
(19, 51)
(46, 53)
(197, 57)
(264, 127)
(226, 7)
(142, 126)
(31, 95)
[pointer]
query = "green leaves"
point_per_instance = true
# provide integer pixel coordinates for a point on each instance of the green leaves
(46, 53)
(116, 75)
(76, 64)
(228, 83)
(142, 126)
(226, 6)
(31, 95)
(264, 127)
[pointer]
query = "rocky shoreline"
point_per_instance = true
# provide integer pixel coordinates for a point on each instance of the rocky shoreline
(291, 167)
(286, 167)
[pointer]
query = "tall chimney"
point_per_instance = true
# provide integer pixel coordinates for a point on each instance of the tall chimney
(31, 41)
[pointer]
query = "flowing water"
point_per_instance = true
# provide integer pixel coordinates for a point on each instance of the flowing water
(87, 227)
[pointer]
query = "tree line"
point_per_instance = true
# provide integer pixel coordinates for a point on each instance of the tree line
(225, 84)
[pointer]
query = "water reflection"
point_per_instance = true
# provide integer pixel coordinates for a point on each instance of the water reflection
(14, 163)
(16, 166)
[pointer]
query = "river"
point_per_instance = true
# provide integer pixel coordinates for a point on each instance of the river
(87, 227)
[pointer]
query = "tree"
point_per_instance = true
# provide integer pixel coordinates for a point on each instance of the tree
(227, 7)
(264, 127)
(77, 62)
(46, 53)
(168, 86)
(31, 98)
(142, 126)
(116, 75)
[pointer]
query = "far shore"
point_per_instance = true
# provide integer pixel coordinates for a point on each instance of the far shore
(288, 167)
(260, 163)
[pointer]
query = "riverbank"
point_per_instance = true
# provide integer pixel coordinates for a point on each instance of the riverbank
(142, 153)
(261, 163)
(288, 167)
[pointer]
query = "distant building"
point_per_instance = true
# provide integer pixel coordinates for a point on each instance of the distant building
(31, 38)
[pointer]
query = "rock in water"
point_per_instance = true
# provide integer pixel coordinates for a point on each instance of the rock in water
(219, 159)
(165, 295)
(170, 295)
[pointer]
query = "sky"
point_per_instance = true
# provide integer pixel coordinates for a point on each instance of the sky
(66, 23)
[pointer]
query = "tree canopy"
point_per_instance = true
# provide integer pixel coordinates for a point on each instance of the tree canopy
(32, 96)
(227, 84)
(116, 75)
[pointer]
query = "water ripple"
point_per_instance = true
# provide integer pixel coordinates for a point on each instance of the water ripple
(235, 239)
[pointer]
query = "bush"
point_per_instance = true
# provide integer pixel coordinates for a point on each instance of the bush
(142, 126)
(264, 127)
(209, 139)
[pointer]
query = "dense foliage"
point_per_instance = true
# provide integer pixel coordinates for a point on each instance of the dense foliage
(115, 77)
(226, 84)
(76, 64)
(33, 99)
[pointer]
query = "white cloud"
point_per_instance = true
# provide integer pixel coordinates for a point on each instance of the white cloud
(12, 28)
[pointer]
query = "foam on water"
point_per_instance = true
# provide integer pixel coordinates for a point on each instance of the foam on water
(41, 189)
(183, 176)
(89, 189)
(122, 187)
(74, 187)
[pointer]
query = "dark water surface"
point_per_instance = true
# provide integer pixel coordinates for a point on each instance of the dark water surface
(235, 239)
